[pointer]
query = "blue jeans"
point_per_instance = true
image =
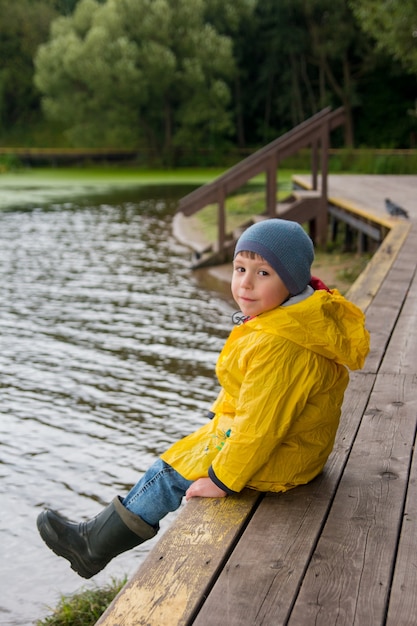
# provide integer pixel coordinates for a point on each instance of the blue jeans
(159, 491)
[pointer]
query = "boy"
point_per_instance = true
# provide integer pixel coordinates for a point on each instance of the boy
(283, 373)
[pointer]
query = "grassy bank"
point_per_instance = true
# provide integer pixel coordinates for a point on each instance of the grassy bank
(105, 174)
(24, 187)
(83, 608)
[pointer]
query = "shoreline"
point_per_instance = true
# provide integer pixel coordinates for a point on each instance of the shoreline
(189, 232)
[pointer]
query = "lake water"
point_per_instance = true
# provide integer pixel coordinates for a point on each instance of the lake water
(107, 355)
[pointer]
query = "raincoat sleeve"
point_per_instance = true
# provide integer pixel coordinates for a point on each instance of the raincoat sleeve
(277, 383)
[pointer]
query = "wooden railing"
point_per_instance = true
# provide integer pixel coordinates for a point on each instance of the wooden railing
(313, 132)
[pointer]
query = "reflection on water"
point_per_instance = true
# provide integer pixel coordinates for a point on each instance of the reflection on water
(108, 347)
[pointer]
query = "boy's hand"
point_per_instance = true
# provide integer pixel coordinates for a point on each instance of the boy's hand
(204, 488)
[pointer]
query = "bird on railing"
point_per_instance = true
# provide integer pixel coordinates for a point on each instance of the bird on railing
(394, 209)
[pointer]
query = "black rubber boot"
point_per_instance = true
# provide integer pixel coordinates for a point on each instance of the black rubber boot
(89, 546)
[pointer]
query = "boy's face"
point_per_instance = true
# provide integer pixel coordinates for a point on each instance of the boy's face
(256, 287)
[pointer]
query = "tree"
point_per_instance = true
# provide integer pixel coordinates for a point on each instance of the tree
(393, 25)
(23, 26)
(340, 51)
(137, 70)
(311, 55)
(235, 20)
(278, 99)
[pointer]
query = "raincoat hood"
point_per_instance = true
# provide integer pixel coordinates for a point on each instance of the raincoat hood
(325, 323)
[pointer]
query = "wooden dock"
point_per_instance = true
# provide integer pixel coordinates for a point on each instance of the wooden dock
(343, 549)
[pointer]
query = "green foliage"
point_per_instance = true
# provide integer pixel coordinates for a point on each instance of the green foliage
(149, 72)
(368, 161)
(9, 163)
(183, 81)
(83, 608)
(23, 26)
(307, 59)
(393, 25)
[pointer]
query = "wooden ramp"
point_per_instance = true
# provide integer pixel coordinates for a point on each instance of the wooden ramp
(341, 550)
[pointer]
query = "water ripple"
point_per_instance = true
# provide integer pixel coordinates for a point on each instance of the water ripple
(108, 348)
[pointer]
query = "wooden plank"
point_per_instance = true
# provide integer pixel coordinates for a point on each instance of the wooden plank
(171, 583)
(369, 191)
(261, 578)
(400, 357)
(349, 577)
(403, 598)
(381, 321)
(383, 313)
(359, 224)
(367, 285)
(360, 212)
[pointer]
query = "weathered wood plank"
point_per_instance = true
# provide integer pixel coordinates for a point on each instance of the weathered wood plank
(368, 192)
(386, 306)
(359, 542)
(365, 226)
(261, 578)
(367, 285)
(349, 577)
(403, 598)
(363, 213)
(172, 582)
(400, 357)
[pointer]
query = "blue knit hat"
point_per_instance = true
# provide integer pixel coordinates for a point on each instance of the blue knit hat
(285, 246)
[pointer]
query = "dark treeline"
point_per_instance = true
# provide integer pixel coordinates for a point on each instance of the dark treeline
(166, 76)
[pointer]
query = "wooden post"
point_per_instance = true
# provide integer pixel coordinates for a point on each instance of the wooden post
(312, 229)
(271, 186)
(334, 227)
(322, 225)
(221, 220)
(314, 164)
(348, 238)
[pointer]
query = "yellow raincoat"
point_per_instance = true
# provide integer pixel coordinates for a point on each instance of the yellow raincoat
(283, 375)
